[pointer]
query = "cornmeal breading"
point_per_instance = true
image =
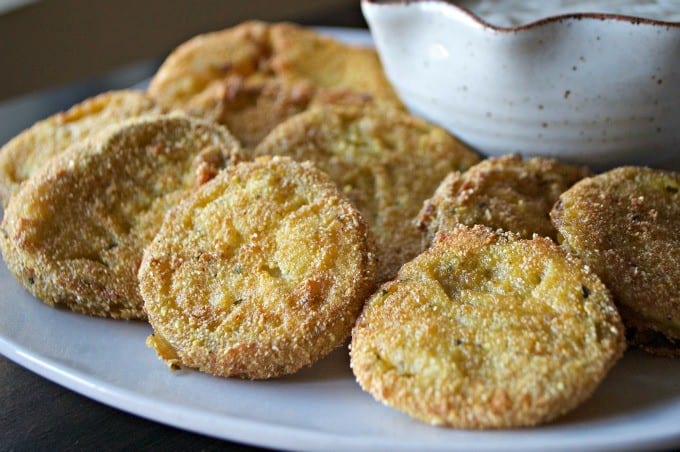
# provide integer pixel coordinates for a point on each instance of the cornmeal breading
(31, 149)
(505, 192)
(386, 161)
(625, 224)
(252, 108)
(260, 272)
(73, 234)
(304, 54)
(487, 330)
(255, 75)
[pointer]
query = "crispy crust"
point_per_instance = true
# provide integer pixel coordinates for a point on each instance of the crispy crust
(487, 330)
(252, 108)
(386, 161)
(192, 67)
(255, 75)
(73, 234)
(261, 272)
(31, 149)
(303, 54)
(506, 193)
(625, 224)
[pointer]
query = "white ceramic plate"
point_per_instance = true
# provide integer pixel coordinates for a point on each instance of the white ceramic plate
(320, 408)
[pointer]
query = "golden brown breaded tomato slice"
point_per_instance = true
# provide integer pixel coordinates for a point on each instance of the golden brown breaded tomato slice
(507, 192)
(625, 224)
(73, 234)
(250, 109)
(264, 51)
(487, 330)
(304, 54)
(386, 161)
(255, 75)
(261, 272)
(30, 150)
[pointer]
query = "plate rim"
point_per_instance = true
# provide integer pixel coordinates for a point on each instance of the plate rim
(267, 434)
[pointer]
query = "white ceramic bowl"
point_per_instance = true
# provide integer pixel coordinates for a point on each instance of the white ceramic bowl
(599, 89)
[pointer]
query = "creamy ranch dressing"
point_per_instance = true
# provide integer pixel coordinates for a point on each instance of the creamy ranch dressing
(509, 13)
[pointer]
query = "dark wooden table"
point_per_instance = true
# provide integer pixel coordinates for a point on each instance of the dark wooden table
(36, 414)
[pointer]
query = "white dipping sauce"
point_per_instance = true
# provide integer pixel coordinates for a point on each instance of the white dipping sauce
(510, 13)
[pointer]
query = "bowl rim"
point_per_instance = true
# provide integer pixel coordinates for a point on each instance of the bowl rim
(537, 23)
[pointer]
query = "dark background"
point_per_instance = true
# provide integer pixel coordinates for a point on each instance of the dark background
(51, 42)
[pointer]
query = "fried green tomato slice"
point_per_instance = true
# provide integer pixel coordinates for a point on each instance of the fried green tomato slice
(487, 330)
(386, 161)
(74, 233)
(251, 108)
(262, 271)
(625, 224)
(304, 54)
(255, 75)
(507, 192)
(31, 149)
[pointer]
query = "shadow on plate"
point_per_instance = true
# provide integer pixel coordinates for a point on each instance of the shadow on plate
(335, 366)
(639, 382)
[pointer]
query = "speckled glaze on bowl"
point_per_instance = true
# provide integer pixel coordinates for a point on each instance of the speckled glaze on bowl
(598, 89)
